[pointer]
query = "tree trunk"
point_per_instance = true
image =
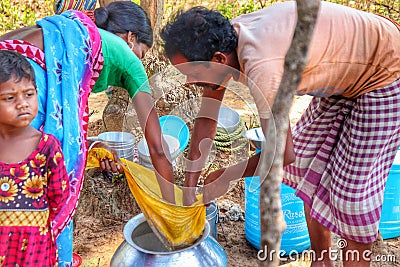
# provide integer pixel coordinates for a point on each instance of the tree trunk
(155, 11)
(272, 221)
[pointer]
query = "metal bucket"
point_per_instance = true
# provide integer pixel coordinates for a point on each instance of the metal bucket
(228, 119)
(122, 142)
(212, 215)
(144, 154)
(142, 248)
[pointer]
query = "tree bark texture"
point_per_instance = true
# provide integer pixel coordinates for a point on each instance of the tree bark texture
(272, 221)
(155, 12)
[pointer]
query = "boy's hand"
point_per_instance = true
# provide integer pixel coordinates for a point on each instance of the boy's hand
(215, 185)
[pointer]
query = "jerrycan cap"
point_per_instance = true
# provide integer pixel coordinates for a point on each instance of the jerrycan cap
(396, 162)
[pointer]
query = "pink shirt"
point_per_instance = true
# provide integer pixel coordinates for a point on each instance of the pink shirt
(352, 52)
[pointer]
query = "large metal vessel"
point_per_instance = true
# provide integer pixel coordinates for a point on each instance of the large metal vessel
(142, 248)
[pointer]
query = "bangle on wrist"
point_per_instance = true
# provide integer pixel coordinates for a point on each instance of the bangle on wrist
(92, 144)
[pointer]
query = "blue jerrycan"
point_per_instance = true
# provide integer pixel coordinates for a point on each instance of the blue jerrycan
(295, 238)
(389, 225)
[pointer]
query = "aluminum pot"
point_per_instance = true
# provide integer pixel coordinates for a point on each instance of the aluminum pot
(255, 136)
(142, 248)
(212, 216)
(228, 119)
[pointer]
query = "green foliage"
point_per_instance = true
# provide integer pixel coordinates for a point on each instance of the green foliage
(231, 9)
(388, 8)
(16, 14)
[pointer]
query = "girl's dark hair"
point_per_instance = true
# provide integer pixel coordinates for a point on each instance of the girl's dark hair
(123, 17)
(15, 66)
(198, 33)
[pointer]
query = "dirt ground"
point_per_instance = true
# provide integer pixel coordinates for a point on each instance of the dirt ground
(105, 207)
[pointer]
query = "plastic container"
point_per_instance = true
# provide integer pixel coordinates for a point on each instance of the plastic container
(295, 238)
(176, 127)
(144, 154)
(389, 225)
(212, 215)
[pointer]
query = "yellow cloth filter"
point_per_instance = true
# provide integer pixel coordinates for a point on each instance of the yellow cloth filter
(176, 226)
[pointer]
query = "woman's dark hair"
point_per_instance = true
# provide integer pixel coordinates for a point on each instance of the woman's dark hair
(15, 66)
(198, 33)
(123, 17)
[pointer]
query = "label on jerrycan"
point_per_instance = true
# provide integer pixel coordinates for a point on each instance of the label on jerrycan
(292, 211)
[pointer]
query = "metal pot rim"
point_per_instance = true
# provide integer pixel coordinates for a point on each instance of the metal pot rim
(139, 219)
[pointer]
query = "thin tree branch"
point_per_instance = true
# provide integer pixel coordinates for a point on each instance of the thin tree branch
(272, 221)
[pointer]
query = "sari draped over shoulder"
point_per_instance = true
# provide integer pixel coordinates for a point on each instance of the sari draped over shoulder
(65, 75)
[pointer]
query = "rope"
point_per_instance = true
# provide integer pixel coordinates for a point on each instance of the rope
(223, 141)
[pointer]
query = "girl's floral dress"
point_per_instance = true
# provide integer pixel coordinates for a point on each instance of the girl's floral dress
(32, 193)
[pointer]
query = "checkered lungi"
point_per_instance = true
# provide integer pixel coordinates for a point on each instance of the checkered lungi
(344, 151)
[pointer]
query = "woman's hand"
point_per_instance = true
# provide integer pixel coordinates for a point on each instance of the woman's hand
(109, 164)
(158, 149)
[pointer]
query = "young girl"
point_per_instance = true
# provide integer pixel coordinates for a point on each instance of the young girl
(33, 179)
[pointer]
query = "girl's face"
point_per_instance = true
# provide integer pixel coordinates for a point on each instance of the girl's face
(18, 103)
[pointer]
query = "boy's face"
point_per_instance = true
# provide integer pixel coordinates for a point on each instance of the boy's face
(18, 103)
(211, 74)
